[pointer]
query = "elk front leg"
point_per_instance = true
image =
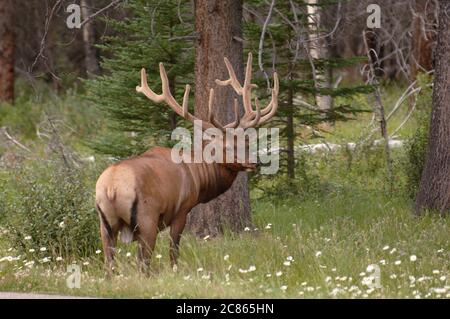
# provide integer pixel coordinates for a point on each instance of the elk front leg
(176, 228)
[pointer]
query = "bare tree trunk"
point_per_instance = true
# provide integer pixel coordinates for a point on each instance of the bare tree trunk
(378, 107)
(290, 134)
(318, 50)
(7, 48)
(218, 24)
(434, 189)
(90, 52)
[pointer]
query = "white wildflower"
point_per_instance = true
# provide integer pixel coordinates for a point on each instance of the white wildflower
(440, 290)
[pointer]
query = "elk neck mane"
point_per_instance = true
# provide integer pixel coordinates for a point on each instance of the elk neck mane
(211, 179)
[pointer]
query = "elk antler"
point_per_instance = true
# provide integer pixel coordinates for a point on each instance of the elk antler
(251, 118)
(166, 95)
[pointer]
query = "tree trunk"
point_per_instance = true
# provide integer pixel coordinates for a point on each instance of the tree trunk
(7, 47)
(218, 24)
(318, 50)
(434, 189)
(90, 52)
(290, 134)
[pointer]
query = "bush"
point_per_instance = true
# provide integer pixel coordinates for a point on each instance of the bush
(416, 146)
(49, 205)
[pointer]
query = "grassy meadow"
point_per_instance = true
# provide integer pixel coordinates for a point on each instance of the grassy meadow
(321, 236)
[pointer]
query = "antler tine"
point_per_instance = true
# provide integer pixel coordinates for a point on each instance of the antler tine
(233, 81)
(237, 117)
(246, 124)
(271, 109)
(248, 71)
(158, 98)
(212, 119)
(247, 89)
(182, 111)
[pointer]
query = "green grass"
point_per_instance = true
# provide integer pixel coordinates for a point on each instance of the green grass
(314, 238)
(331, 242)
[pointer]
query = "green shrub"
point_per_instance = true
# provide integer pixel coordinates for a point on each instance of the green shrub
(416, 146)
(49, 205)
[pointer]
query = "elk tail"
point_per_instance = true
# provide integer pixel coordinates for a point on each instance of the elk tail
(111, 193)
(128, 231)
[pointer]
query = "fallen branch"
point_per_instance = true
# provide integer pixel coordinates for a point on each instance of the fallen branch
(14, 141)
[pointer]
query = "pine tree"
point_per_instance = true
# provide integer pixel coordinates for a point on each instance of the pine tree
(283, 52)
(157, 31)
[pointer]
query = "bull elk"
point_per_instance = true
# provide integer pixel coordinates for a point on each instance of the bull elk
(140, 196)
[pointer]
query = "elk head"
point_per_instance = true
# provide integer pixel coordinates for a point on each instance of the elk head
(252, 117)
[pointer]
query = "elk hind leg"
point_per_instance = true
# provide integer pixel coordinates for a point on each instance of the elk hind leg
(147, 233)
(109, 239)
